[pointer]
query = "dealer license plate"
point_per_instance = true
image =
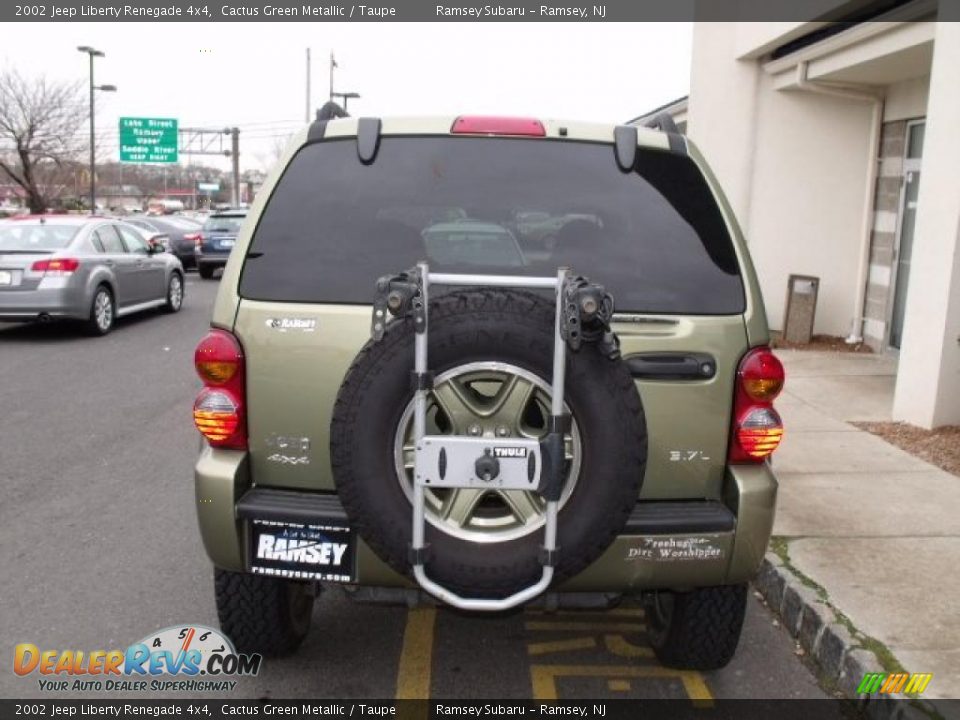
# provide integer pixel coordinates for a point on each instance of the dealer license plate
(308, 552)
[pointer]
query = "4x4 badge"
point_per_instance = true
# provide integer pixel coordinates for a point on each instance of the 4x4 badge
(292, 323)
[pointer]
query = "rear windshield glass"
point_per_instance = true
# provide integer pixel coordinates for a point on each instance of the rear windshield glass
(228, 224)
(21, 237)
(655, 237)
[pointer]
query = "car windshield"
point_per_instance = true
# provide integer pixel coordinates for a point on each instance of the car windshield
(35, 237)
(472, 244)
(224, 223)
(655, 237)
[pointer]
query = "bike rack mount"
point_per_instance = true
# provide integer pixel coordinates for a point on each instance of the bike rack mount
(453, 461)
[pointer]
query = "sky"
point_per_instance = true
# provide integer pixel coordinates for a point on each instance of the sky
(253, 75)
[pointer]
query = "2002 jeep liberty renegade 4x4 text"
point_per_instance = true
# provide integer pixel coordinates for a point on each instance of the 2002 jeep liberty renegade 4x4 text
(492, 361)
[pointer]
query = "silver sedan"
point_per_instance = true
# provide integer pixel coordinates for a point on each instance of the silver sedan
(83, 268)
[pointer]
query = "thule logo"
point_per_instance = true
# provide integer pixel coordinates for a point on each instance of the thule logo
(510, 452)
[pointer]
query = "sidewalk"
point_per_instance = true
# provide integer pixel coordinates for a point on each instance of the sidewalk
(875, 528)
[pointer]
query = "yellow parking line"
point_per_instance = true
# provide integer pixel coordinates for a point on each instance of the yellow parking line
(618, 645)
(416, 655)
(543, 648)
(544, 677)
(586, 626)
(696, 688)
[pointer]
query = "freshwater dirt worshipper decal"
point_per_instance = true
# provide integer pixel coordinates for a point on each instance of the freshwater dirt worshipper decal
(189, 658)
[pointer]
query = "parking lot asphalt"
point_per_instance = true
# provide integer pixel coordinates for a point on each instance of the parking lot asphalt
(100, 548)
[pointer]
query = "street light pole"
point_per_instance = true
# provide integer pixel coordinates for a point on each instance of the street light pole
(93, 153)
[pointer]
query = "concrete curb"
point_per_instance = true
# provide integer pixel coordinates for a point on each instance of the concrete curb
(840, 658)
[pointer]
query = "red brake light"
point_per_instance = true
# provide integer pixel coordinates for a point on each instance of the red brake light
(56, 266)
(219, 409)
(757, 428)
(493, 125)
(193, 237)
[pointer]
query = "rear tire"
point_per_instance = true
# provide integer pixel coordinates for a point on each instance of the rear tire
(206, 272)
(267, 615)
(103, 312)
(697, 630)
(174, 293)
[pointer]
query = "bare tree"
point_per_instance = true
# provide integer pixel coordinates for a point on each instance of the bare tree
(40, 124)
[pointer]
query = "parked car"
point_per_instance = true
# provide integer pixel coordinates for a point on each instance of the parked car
(91, 269)
(460, 475)
(215, 240)
(472, 242)
(182, 232)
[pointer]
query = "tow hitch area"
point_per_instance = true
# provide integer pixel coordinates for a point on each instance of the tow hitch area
(583, 313)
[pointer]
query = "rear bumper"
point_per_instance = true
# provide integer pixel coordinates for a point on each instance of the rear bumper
(214, 261)
(64, 302)
(665, 545)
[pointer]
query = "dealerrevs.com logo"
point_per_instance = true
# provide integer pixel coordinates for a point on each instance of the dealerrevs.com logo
(189, 658)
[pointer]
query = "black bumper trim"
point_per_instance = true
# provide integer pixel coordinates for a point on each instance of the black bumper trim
(647, 518)
(292, 506)
(680, 518)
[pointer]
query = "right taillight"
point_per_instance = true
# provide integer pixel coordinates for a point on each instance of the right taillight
(757, 428)
(196, 239)
(219, 412)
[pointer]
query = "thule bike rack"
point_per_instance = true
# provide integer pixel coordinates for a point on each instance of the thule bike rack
(583, 313)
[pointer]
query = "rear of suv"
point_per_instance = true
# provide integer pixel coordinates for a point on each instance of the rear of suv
(215, 240)
(312, 469)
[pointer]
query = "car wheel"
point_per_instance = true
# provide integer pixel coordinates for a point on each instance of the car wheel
(103, 313)
(697, 630)
(267, 615)
(174, 293)
(491, 351)
(206, 272)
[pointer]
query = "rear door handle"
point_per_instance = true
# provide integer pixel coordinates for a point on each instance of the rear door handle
(672, 365)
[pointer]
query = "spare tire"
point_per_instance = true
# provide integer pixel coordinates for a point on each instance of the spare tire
(491, 352)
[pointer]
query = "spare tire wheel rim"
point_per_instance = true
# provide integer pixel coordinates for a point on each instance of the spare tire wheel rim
(485, 399)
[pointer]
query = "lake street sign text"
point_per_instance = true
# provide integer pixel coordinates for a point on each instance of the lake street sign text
(148, 140)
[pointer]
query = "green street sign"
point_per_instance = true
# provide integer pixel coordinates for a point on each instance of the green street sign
(148, 140)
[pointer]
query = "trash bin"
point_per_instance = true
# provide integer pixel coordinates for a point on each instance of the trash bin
(801, 308)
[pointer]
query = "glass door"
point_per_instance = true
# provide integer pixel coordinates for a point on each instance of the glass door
(908, 219)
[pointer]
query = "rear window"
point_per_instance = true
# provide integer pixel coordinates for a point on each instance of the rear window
(27, 237)
(655, 237)
(224, 223)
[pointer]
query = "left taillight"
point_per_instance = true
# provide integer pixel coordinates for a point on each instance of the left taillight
(757, 427)
(219, 411)
(56, 267)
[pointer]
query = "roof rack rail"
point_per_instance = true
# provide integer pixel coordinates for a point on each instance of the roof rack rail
(331, 110)
(663, 122)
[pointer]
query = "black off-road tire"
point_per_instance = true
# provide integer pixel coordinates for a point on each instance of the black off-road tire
(701, 629)
(262, 614)
(508, 326)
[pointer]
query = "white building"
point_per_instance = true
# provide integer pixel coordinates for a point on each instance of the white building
(839, 149)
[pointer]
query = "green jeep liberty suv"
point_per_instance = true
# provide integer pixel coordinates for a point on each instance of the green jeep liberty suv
(411, 389)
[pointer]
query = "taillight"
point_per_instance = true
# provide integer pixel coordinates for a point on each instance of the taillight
(196, 239)
(757, 428)
(56, 267)
(489, 125)
(219, 409)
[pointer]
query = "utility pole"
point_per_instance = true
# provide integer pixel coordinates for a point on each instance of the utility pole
(93, 150)
(235, 156)
(308, 86)
(333, 64)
